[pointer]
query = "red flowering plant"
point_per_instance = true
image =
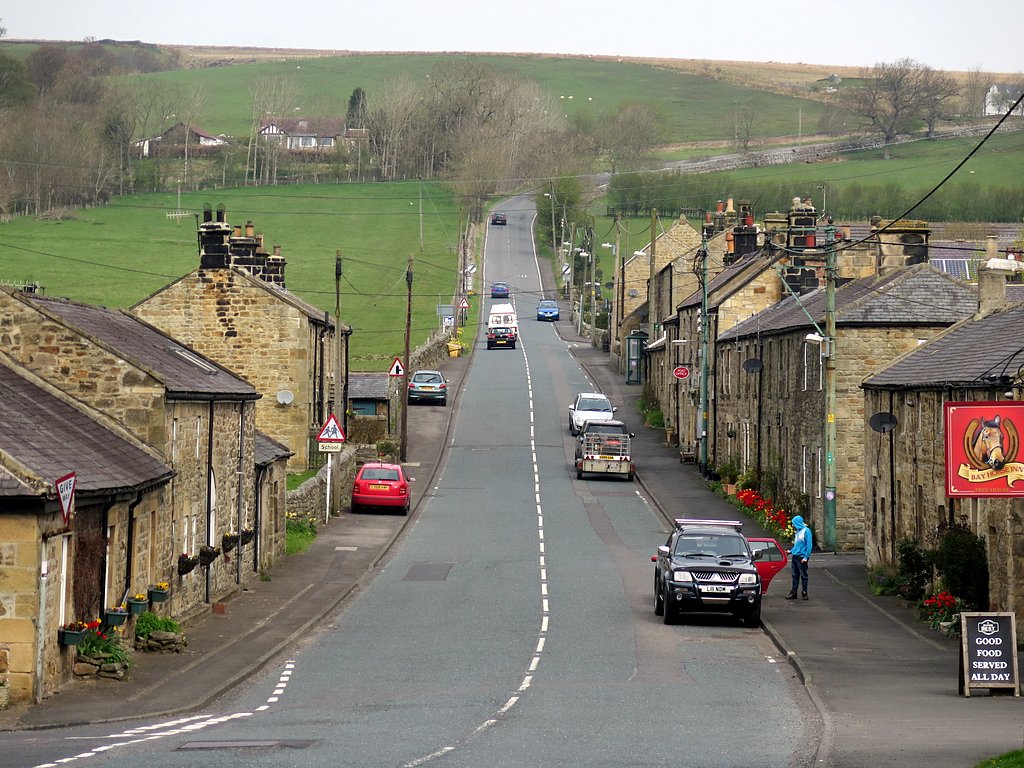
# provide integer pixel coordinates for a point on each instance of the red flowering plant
(942, 607)
(774, 519)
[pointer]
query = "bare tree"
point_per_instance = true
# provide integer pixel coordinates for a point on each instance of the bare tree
(627, 137)
(744, 121)
(940, 92)
(273, 97)
(973, 94)
(892, 97)
(390, 118)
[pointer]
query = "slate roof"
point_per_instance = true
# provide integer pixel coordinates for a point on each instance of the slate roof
(727, 275)
(305, 126)
(49, 437)
(268, 450)
(185, 373)
(915, 295)
(368, 386)
(974, 353)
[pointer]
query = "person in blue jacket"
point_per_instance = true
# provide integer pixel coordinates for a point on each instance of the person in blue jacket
(799, 554)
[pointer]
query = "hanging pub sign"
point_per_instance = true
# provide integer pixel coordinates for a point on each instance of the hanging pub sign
(983, 450)
(988, 653)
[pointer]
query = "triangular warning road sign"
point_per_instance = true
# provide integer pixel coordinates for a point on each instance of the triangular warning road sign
(332, 431)
(66, 491)
(397, 369)
(464, 304)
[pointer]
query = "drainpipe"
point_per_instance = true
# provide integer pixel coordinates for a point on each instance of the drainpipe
(37, 693)
(241, 473)
(209, 495)
(257, 519)
(130, 543)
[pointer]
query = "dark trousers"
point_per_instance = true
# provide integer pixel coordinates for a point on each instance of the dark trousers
(799, 566)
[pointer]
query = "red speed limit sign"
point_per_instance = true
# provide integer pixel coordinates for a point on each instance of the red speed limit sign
(680, 371)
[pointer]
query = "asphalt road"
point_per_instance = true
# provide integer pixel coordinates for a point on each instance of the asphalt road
(513, 623)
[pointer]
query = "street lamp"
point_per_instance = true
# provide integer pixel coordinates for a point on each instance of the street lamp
(613, 325)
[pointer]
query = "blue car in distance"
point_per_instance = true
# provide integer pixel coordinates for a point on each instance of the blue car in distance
(499, 290)
(547, 309)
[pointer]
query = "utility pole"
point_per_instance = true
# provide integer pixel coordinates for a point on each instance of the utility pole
(554, 242)
(593, 289)
(830, 388)
(619, 272)
(338, 401)
(703, 420)
(421, 216)
(652, 290)
(404, 445)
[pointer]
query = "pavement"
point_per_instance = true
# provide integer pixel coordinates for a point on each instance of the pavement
(884, 684)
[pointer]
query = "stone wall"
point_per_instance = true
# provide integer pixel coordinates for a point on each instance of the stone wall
(19, 601)
(309, 500)
(912, 503)
(232, 319)
(83, 369)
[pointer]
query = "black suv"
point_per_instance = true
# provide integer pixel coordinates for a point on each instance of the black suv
(707, 566)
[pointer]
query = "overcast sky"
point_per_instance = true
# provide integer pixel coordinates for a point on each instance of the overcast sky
(945, 34)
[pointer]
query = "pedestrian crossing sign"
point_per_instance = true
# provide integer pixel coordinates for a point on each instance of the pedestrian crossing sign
(331, 431)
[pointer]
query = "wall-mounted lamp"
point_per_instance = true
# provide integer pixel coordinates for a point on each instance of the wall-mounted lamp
(815, 337)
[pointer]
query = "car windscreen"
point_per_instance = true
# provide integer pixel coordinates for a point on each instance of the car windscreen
(594, 405)
(381, 473)
(426, 378)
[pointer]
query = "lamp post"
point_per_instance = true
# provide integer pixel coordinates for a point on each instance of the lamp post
(703, 420)
(612, 319)
(830, 388)
(551, 195)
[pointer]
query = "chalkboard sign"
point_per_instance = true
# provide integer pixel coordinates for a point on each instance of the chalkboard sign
(988, 655)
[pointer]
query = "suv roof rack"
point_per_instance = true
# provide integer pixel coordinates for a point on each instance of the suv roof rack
(683, 522)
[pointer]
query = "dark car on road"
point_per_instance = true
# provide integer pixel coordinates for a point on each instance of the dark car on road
(498, 218)
(500, 336)
(499, 290)
(707, 566)
(429, 387)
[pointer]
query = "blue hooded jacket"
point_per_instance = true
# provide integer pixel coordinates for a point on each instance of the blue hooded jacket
(802, 542)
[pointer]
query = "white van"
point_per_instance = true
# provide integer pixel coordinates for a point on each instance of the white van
(503, 315)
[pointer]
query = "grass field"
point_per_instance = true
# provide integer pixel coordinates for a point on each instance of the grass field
(119, 254)
(696, 108)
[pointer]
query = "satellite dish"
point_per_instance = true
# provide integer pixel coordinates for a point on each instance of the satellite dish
(752, 365)
(633, 293)
(285, 397)
(883, 422)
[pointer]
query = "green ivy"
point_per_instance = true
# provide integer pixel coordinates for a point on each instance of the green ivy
(147, 623)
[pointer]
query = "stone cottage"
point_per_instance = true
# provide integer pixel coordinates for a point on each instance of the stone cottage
(235, 309)
(196, 415)
(978, 360)
(57, 564)
(774, 416)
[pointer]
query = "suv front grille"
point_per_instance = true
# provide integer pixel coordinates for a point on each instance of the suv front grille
(715, 577)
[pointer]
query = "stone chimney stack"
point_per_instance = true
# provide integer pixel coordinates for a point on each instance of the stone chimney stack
(214, 250)
(991, 282)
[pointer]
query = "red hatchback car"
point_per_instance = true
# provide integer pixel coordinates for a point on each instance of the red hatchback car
(381, 485)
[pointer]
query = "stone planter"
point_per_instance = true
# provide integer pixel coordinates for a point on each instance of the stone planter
(136, 606)
(114, 618)
(158, 595)
(70, 636)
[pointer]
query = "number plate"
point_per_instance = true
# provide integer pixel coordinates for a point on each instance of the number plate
(427, 388)
(714, 588)
(378, 487)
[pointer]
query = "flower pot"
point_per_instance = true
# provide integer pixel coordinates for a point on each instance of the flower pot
(228, 541)
(137, 606)
(187, 564)
(70, 636)
(208, 554)
(248, 534)
(115, 618)
(158, 595)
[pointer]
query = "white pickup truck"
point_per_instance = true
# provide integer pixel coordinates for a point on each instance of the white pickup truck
(605, 447)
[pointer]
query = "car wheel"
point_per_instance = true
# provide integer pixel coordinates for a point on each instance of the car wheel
(669, 611)
(405, 510)
(489, 346)
(444, 402)
(629, 477)
(659, 599)
(355, 508)
(753, 619)
(579, 474)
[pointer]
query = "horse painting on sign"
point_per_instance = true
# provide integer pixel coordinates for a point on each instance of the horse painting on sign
(985, 443)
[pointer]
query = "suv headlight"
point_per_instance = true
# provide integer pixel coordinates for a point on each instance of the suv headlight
(682, 577)
(748, 578)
